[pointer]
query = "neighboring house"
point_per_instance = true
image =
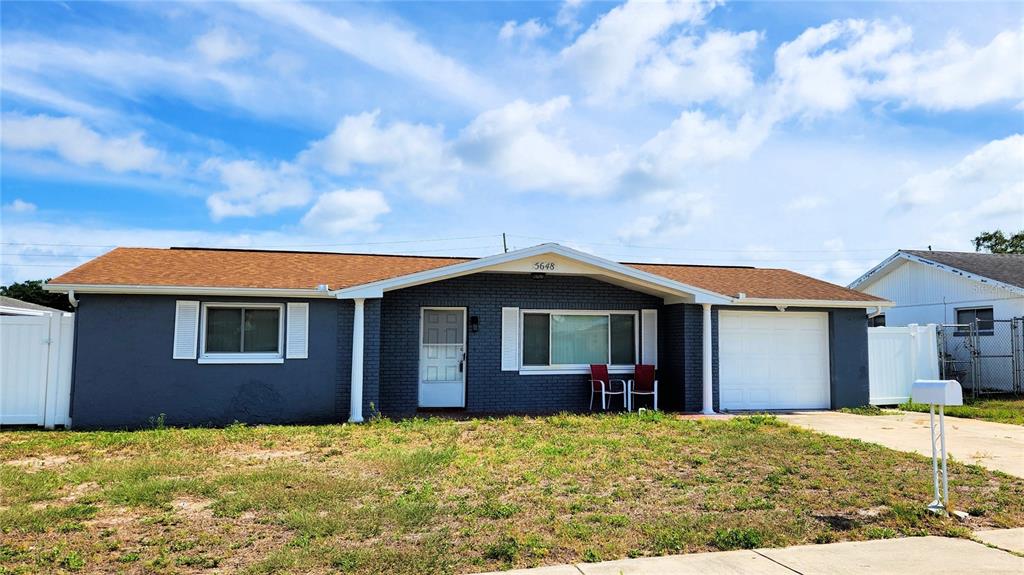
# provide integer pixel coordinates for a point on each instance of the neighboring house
(11, 306)
(946, 287)
(985, 291)
(211, 336)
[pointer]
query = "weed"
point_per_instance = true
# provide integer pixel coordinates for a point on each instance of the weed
(742, 538)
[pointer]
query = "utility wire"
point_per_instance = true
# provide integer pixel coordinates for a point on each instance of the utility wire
(673, 248)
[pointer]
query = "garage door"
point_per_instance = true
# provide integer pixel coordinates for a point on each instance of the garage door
(773, 360)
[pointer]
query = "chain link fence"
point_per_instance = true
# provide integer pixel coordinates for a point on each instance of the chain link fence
(984, 356)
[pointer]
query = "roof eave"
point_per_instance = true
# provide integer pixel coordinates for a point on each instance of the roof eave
(777, 302)
(186, 290)
(875, 273)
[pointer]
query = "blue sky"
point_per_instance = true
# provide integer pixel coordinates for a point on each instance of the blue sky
(814, 136)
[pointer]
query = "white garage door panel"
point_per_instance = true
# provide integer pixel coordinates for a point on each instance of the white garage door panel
(773, 360)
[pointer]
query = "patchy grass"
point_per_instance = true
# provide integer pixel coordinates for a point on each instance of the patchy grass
(437, 495)
(1001, 409)
(863, 410)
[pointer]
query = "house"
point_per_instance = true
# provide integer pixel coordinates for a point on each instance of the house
(210, 336)
(973, 297)
(946, 287)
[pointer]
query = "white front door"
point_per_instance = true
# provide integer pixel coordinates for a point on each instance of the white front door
(443, 357)
(773, 360)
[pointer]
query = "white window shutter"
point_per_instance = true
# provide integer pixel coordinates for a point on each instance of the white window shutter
(186, 329)
(509, 339)
(297, 346)
(649, 337)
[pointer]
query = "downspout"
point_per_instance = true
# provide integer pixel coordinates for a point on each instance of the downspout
(72, 299)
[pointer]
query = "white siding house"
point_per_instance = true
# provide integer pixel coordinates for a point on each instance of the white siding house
(929, 292)
(958, 288)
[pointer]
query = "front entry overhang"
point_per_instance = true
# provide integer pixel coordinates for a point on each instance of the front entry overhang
(548, 259)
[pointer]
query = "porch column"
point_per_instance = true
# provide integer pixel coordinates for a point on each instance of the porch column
(356, 394)
(709, 401)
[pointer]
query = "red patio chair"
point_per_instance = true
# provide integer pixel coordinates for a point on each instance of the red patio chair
(601, 383)
(643, 383)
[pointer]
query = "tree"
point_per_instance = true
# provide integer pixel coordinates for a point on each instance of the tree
(997, 243)
(32, 292)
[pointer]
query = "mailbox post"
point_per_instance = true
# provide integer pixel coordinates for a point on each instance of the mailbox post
(941, 393)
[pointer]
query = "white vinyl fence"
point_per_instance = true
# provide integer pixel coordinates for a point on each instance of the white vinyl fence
(35, 369)
(896, 357)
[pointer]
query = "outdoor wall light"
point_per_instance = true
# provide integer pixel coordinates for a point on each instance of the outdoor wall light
(474, 323)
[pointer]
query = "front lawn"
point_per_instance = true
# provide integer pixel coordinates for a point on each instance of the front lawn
(438, 495)
(1001, 409)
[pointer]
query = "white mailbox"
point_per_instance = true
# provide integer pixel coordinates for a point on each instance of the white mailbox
(937, 392)
(940, 392)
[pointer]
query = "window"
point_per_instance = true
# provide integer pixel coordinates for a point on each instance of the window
(877, 321)
(982, 317)
(242, 333)
(572, 340)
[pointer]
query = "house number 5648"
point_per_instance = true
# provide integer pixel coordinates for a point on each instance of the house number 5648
(544, 266)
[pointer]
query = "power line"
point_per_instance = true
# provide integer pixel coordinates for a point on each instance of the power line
(673, 248)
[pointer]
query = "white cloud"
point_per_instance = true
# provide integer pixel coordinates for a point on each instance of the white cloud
(832, 67)
(670, 215)
(253, 189)
(512, 144)
(605, 57)
(340, 211)
(688, 70)
(958, 75)
(805, 203)
(383, 46)
(20, 206)
(78, 144)
(415, 156)
(991, 176)
(567, 15)
(691, 143)
(528, 31)
(220, 45)
(826, 68)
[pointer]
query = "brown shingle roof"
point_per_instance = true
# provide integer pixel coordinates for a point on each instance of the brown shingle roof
(306, 270)
(755, 282)
(244, 268)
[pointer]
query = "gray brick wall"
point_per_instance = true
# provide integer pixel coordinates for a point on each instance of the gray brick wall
(124, 374)
(488, 389)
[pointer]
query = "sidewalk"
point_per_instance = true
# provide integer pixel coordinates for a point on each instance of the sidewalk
(911, 556)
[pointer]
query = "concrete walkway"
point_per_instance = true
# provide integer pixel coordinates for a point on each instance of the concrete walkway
(912, 556)
(1008, 539)
(998, 446)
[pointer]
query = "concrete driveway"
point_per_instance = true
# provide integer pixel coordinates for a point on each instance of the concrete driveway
(997, 446)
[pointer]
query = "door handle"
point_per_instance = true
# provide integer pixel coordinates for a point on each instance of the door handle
(462, 361)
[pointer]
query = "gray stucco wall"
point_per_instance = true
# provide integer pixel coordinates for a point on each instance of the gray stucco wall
(488, 389)
(124, 374)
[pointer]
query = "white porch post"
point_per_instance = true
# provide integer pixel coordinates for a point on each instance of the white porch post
(356, 395)
(709, 401)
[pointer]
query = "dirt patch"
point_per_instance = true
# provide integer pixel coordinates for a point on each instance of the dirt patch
(41, 462)
(193, 507)
(267, 454)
